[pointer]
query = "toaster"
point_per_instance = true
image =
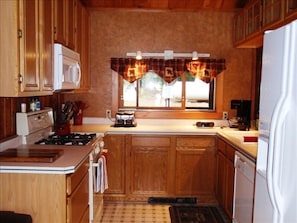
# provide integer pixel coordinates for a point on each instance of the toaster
(125, 119)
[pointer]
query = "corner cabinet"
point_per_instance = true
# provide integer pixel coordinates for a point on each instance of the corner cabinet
(26, 48)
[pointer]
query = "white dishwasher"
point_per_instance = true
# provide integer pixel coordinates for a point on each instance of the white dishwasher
(243, 189)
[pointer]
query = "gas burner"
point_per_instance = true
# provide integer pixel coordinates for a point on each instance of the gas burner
(70, 139)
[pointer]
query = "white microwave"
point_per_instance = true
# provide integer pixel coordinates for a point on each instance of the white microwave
(67, 72)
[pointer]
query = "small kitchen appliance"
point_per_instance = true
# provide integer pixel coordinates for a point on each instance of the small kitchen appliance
(67, 72)
(243, 118)
(125, 119)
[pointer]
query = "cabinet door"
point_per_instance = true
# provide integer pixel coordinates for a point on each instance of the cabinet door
(196, 167)
(29, 46)
(290, 10)
(238, 28)
(46, 62)
(70, 23)
(82, 45)
(272, 13)
(115, 163)
(229, 187)
(221, 179)
(253, 18)
(195, 171)
(150, 165)
(9, 52)
(59, 21)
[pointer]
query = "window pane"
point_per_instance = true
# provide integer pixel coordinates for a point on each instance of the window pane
(197, 94)
(155, 92)
(129, 94)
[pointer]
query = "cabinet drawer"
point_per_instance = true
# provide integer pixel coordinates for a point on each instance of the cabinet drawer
(74, 179)
(195, 142)
(151, 141)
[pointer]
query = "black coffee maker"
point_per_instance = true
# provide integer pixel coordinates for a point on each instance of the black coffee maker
(243, 108)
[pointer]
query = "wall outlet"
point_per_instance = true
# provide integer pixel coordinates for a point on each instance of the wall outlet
(225, 115)
(108, 114)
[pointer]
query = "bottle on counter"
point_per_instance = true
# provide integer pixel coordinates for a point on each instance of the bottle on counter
(32, 105)
(37, 104)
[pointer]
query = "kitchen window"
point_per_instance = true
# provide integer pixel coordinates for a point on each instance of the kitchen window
(152, 92)
(158, 84)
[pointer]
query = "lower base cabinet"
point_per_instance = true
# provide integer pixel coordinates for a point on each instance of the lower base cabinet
(47, 197)
(225, 176)
(151, 166)
(195, 168)
(142, 166)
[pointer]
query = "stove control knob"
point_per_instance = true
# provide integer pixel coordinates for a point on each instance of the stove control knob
(97, 150)
(101, 144)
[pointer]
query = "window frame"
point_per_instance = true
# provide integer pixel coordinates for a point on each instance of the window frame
(163, 113)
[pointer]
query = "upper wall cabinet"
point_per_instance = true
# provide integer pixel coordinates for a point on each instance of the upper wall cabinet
(82, 45)
(65, 22)
(273, 14)
(247, 26)
(26, 48)
(290, 10)
(259, 16)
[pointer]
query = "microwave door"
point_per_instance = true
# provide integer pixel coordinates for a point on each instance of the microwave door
(71, 74)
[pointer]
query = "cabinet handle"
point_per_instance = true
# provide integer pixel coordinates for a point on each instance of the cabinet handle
(20, 33)
(21, 79)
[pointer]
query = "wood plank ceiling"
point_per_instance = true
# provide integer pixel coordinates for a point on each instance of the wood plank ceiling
(224, 5)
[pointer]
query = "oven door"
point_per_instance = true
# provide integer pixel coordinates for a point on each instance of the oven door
(97, 172)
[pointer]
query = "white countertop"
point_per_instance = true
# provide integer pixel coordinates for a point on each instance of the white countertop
(74, 155)
(72, 158)
(232, 135)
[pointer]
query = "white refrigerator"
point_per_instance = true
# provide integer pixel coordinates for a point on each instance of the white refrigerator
(276, 184)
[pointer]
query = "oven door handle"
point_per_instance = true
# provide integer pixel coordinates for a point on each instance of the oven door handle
(91, 192)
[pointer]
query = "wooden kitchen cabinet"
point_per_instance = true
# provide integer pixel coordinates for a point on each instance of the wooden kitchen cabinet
(259, 16)
(238, 28)
(65, 22)
(116, 166)
(26, 55)
(195, 167)
(273, 13)
(144, 165)
(151, 166)
(290, 10)
(82, 45)
(55, 198)
(225, 176)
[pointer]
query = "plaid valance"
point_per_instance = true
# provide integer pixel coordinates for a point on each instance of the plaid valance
(132, 69)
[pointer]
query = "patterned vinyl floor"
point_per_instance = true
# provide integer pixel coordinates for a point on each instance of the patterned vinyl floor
(135, 213)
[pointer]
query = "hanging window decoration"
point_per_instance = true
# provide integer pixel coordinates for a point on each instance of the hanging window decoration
(131, 69)
(206, 69)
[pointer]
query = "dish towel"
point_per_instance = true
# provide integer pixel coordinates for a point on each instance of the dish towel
(100, 176)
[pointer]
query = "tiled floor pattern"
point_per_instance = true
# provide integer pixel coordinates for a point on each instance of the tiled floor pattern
(135, 213)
